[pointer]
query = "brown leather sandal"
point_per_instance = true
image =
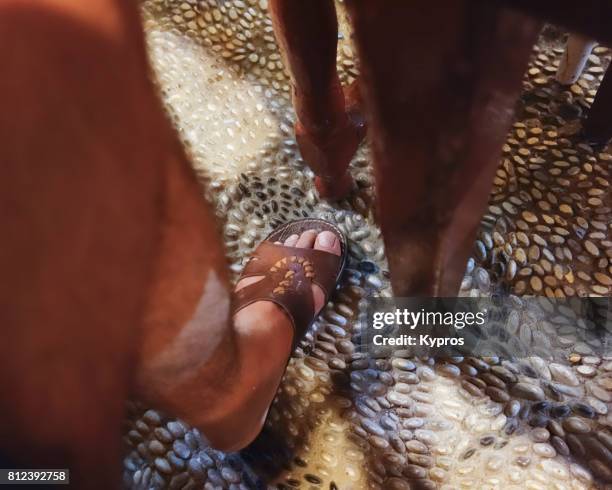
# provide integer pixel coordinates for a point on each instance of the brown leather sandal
(288, 273)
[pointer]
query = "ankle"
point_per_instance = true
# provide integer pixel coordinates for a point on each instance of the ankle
(263, 325)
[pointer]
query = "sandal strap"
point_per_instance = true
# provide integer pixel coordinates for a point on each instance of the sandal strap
(288, 273)
(322, 266)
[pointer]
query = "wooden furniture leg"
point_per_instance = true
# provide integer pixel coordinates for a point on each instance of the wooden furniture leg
(577, 51)
(439, 81)
(307, 33)
(598, 124)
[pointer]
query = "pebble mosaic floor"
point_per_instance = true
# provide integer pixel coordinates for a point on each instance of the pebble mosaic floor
(348, 420)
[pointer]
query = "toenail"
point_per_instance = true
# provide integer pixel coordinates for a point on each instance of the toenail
(327, 240)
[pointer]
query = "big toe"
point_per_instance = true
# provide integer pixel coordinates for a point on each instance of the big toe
(328, 242)
(306, 239)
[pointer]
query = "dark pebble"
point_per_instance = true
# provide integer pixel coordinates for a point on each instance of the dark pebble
(523, 461)
(605, 438)
(415, 446)
(146, 477)
(364, 410)
(397, 443)
(367, 267)
(528, 371)
(176, 428)
(596, 449)
(493, 380)
(215, 478)
(244, 189)
(560, 446)
(421, 460)
(142, 427)
(555, 428)
(576, 425)
(205, 460)
(575, 445)
(527, 391)
(142, 450)
(467, 369)
(487, 440)
(541, 406)
(394, 483)
(315, 480)
(300, 462)
(479, 383)
(504, 374)
(469, 453)
(388, 423)
(134, 437)
(230, 475)
(157, 480)
(559, 411)
(162, 465)
(538, 420)
(195, 468)
(414, 471)
(372, 427)
(584, 410)
(152, 417)
(178, 481)
(601, 470)
(175, 460)
(192, 440)
(511, 426)
(157, 447)
(471, 389)
(377, 389)
(569, 111)
(423, 485)
(181, 449)
(497, 394)
(163, 435)
(525, 411)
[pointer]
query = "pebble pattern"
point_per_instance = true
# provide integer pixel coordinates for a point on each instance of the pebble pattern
(344, 419)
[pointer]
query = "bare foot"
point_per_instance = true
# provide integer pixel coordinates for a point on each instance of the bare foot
(266, 335)
(325, 241)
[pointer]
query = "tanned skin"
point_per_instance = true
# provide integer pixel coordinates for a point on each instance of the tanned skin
(114, 275)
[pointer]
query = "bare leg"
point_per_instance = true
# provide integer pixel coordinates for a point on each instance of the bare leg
(80, 187)
(438, 119)
(307, 33)
(598, 125)
(577, 51)
(112, 260)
